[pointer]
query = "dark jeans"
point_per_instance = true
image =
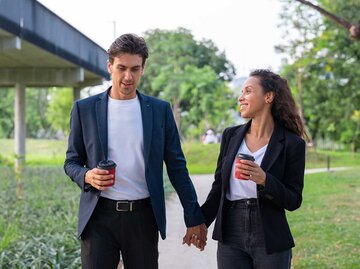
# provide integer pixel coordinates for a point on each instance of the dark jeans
(244, 244)
(110, 232)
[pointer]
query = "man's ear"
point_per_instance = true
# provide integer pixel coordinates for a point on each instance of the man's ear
(143, 69)
(109, 66)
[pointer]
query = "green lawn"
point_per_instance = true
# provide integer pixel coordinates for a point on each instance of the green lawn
(201, 159)
(327, 226)
(39, 230)
(38, 151)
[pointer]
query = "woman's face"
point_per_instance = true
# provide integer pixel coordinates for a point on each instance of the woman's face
(253, 101)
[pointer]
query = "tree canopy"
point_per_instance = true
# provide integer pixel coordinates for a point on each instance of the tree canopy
(323, 67)
(192, 75)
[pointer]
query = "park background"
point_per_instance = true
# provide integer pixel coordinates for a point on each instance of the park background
(320, 60)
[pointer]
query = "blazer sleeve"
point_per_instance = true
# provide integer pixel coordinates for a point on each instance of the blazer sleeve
(212, 203)
(178, 173)
(75, 161)
(286, 192)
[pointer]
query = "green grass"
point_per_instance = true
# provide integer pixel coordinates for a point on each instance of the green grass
(38, 151)
(327, 226)
(39, 230)
(318, 159)
(201, 159)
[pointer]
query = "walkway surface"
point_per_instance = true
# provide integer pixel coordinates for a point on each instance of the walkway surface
(174, 255)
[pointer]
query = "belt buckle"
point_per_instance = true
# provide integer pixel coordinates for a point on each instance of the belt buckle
(125, 202)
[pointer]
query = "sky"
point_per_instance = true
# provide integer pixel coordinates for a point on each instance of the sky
(247, 30)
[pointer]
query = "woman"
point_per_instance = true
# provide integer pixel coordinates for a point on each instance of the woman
(251, 225)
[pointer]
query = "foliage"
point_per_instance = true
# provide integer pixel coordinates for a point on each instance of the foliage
(37, 123)
(60, 104)
(323, 67)
(38, 231)
(190, 75)
(45, 110)
(6, 112)
(35, 113)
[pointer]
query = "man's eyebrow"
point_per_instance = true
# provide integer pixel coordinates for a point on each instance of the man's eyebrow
(135, 66)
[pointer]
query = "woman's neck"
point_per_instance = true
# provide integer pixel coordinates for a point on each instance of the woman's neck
(262, 127)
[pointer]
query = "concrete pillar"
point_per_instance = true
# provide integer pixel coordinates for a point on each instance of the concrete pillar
(20, 126)
(76, 93)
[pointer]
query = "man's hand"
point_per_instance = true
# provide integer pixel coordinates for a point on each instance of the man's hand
(197, 236)
(99, 178)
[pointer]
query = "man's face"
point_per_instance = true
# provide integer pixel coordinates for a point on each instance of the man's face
(125, 71)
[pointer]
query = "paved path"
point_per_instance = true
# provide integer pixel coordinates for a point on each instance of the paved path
(174, 255)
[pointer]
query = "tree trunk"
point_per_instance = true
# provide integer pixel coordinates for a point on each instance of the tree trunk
(299, 85)
(176, 112)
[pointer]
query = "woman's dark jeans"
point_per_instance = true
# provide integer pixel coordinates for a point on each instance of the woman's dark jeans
(244, 244)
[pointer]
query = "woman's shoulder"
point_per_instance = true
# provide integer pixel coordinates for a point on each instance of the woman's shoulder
(293, 138)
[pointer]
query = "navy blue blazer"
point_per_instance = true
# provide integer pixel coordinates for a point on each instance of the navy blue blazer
(88, 145)
(283, 163)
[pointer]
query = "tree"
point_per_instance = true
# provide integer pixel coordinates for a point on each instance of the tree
(329, 64)
(186, 72)
(37, 125)
(354, 29)
(36, 105)
(7, 113)
(59, 108)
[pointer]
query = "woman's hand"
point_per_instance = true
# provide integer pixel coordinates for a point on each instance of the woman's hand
(251, 170)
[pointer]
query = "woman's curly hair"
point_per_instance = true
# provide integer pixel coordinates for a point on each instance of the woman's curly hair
(283, 110)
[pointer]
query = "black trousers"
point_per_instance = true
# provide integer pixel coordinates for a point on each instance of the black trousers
(109, 232)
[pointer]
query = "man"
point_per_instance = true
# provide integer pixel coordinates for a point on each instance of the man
(138, 133)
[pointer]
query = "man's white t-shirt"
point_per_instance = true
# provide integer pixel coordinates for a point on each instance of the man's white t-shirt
(125, 148)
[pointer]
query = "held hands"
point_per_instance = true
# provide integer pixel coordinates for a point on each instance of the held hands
(99, 178)
(252, 171)
(197, 236)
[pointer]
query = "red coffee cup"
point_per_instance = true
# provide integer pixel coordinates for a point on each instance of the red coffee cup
(242, 156)
(110, 166)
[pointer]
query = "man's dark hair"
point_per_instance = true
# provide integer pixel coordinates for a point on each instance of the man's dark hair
(128, 43)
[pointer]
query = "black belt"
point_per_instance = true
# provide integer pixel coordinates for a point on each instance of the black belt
(124, 205)
(242, 203)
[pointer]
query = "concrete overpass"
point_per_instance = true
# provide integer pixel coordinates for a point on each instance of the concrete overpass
(39, 49)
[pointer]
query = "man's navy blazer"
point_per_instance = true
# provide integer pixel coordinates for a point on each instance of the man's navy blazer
(283, 163)
(88, 144)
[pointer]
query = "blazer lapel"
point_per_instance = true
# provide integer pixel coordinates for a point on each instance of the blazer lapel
(233, 148)
(147, 120)
(274, 148)
(101, 117)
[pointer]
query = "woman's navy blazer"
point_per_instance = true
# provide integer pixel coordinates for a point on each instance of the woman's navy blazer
(283, 163)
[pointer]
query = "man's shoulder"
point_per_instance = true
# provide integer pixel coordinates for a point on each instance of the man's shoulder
(154, 100)
(90, 100)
